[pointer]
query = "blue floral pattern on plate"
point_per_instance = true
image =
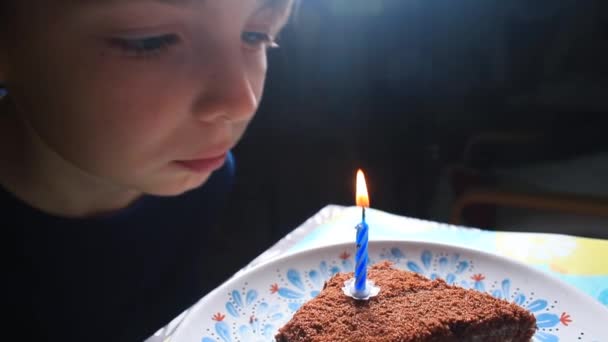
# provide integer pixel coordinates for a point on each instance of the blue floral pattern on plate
(254, 314)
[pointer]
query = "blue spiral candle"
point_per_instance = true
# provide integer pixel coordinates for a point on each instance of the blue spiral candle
(362, 200)
(361, 258)
(359, 287)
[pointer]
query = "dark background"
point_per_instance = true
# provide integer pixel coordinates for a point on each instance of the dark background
(399, 88)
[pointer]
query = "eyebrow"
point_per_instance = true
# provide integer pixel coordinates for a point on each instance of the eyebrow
(279, 4)
(281, 8)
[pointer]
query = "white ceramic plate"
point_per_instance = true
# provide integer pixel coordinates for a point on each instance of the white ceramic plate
(252, 306)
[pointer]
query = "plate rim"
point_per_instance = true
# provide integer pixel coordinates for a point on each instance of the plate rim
(431, 245)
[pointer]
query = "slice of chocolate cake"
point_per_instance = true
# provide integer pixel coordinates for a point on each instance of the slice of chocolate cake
(409, 307)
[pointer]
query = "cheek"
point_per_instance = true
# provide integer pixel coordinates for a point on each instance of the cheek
(103, 119)
(257, 66)
(141, 102)
(239, 131)
(128, 127)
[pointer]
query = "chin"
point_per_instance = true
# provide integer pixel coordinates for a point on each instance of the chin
(178, 186)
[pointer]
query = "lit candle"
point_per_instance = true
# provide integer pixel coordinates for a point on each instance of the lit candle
(359, 287)
(362, 200)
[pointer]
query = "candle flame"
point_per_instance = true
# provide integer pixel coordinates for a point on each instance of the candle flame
(362, 199)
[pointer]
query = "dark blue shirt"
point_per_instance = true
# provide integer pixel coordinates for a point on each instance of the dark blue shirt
(113, 278)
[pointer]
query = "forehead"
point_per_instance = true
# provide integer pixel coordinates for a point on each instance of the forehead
(280, 9)
(37, 14)
(279, 5)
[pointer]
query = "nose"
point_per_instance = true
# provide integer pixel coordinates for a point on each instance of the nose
(228, 90)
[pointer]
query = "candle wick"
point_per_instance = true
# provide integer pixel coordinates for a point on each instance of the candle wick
(363, 214)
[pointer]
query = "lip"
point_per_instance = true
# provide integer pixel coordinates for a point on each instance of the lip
(203, 164)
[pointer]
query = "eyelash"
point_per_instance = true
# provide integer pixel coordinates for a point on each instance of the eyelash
(145, 47)
(258, 40)
(154, 46)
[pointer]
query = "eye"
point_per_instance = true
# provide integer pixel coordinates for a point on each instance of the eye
(145, 46)
(258, 40)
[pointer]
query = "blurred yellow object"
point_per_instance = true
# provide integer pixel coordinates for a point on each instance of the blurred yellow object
(563, 254)
(589, 258)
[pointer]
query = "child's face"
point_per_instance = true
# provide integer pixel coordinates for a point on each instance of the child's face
(127, 90)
